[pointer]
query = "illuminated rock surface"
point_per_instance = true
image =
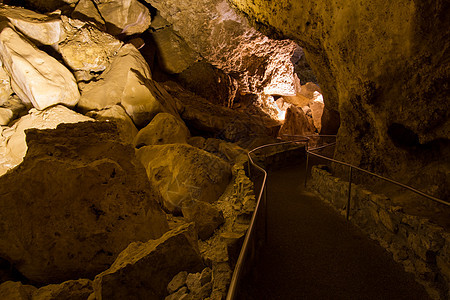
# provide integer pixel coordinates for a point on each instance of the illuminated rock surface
(37, 78)
(5, 86)
(13, 146)
(87, 11)
(163, 129)
(184, 173)
(296, 123)
(162, 259)
(383, 67)
(68, 210)
(224, 38)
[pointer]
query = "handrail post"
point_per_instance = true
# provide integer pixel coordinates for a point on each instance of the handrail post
(349, 192)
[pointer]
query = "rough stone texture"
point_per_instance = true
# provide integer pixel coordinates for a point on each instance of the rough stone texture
(163, 129)
(179, 295)
(16, 291)
(214, 30)
(184, 173)
(117, 114)
(5, 86)
(296, 123)
(88, 12)
(420, 245)
(210, 83)
(12, 140)
(174, 55)
(124, 17)
(384, 67)
(37, 78)
(86, 48)
(177, 282)
(109, 88)
(223, 123)
(205, 217)
(77, 200)
(227, 151)
(45, 29)
(143, 270)
(47, 5)
(70, 290)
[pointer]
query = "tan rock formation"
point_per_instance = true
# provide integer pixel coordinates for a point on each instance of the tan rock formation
(16, 291)
(296, 123)
(382, 65)
(5, 86)
(88, 12)
(72, 289)
(77, 200)
(205, 217)
(224, 38)
(13, 146)
(124, 17)
(162, 259)
(45, 29)
(184, 173)
(37, 78)
(163, 129)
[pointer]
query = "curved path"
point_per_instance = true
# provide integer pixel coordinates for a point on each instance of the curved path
(313, 253)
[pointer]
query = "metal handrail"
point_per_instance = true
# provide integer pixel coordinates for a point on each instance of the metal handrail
(240, 262)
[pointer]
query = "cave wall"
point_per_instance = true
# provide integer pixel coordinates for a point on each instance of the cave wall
(385, 67)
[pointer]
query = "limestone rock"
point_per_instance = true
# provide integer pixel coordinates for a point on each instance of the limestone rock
(48, 5)
(179, 295)
(259, 63)
(45, 29)
(87, 48)
(117, 114)
(5, 86)
(163, 129)
(177, 282)
(296, 123)
(72, 289)
(124, 17)
(6, 116)
(174, 55)
(223, 123)
(88, 12)
(77, 200)
(16, 291)
(372, 82)
(13, 146)
(317, 112)
(160, 259)
(205, 217)
(184, 173)
(37, 78)
(108, 90)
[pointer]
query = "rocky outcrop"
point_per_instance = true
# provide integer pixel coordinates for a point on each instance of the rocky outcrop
(163, 129)
(184, 174)
(87, 11)
(382, 65)
(205, 217)
(72, 290)
(5, 86)
(195, 286)
(296, 123)
(37, 78)
(162, 259)
(77, 200)
(16, 291)
(13, 145)
(224, 38)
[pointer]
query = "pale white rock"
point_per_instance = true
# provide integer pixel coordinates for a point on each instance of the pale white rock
(124, 17)
(108, 90)
(87, 48)
(45, 29)
(223, 37)
(126, 127)
(37, 78)
(5, 86)
(12, 140)
(163, 129)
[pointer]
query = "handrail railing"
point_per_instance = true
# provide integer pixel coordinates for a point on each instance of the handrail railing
(263, 191)
(251, 230)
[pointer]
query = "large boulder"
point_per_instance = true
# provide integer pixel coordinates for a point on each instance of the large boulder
(44, 29)
(205, 217)
(184, 173)
(124, 17)
(16, 291)
(77, 200)
(163, 129)
(37, 77)
(79, 289)
(12, 140)
(296, 123)
(87, 11)
(143, 270)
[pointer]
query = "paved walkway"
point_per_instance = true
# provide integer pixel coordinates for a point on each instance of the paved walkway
(313, 253)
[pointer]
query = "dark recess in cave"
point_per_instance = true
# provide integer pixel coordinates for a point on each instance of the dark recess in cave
(402, 137)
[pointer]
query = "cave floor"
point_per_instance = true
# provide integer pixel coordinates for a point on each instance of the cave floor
(313, 253)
